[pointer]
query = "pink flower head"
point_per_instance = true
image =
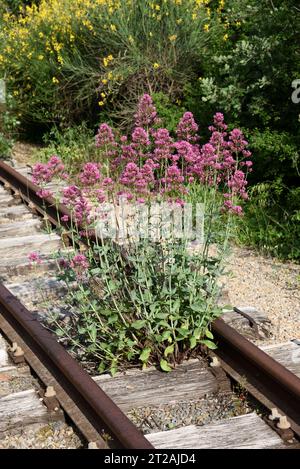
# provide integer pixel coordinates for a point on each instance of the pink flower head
(63, 263)
(80, 262)
(105, 140)
(146, 115)
(187, 128)
(34, 258)
(219, 122)
(187, 151)
(100, 194)
(70, 195)
(44, 193)
(90, 174)
(237, 142)
(163, 145)
(41, 173)
(140, 137)
(45, 172)
(107, 182)
(65, 218)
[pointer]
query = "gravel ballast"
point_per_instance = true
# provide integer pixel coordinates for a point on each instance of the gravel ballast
(270, 286)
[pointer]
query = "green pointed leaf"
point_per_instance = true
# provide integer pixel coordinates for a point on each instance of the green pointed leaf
(193, 342)
(101, 367)
(139, 324)
(209, 334)
(209, 344)
(197, 307)
(165, 335)
(183, 331)
(169, 350)
(144, 356)
(165, 365)
(197, 333)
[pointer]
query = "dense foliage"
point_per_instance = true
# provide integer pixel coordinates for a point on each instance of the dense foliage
(66, 61)
(144, 294)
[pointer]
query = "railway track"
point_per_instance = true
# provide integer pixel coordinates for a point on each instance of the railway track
(99, 408)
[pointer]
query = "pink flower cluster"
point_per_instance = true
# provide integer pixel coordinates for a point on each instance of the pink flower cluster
(44, 172)
(90, 174)
(105, 141)
(34, 258)
(79, 262)
(146, 115)
(150, 162)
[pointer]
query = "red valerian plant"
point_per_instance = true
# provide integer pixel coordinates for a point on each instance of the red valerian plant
(150, 301)
(150, 163)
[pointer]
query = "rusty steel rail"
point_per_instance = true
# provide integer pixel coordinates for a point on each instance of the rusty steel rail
(100, 410)
(27, 191)
(265, 378)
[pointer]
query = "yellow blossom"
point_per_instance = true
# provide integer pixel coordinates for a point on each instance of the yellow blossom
(103, 95)
(40, 57)
(206, 27)
(101, 103)
(113, 27)
(104, 81)
(173, 38)
(225, 37)
(55, 80)
(156, 65)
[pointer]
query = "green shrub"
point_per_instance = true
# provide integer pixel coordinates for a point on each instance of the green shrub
(66, 58)
(8, 131)
(75, 145)
(271, 222)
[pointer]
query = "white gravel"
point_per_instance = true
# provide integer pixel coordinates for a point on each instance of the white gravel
(271, 286)
(56, 435)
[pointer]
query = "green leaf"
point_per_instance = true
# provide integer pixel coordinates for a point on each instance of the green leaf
(114, 318)
(169, 350)
(165, 335)
(193, 342)
(197, 333)
(144, 356)
(209, 334)
(209, 344)
(93, 333)
(101, 367)
(176, 305)
(139, 324)
(183, 331)
(197, 307)
(165, 365)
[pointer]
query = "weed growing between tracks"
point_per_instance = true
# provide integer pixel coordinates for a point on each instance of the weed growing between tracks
(142, 298)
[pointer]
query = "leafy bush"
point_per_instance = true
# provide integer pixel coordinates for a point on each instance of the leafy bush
(75, 145)
(271, 220)
(250, 78)
(8, 131)
(140, 298)
(65, 58)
